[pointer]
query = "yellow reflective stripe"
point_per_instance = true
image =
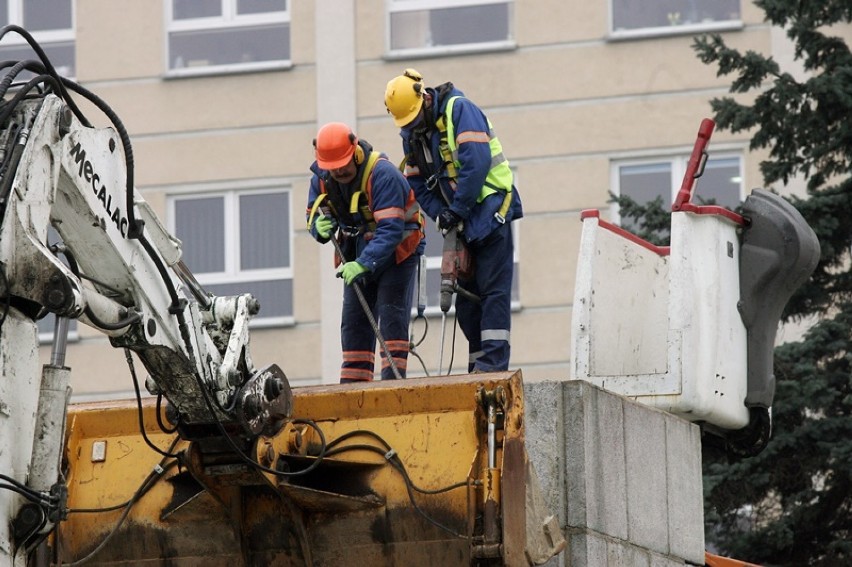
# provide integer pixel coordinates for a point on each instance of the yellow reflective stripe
(507, 202)
(389, 213)
(368, 170)
(314, 208)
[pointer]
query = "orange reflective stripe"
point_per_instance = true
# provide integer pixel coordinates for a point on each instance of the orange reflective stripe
(389, 213)
(356, 374)
(472, 136)
(400, 363)
(408, 246)
(358, 356)
(397, 345)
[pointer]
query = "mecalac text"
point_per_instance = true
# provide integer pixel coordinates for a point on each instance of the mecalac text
(87, 172)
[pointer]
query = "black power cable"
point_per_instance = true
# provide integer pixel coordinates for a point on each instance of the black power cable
(153, 477)
(48, 66)
(394, 461)
(139, 408)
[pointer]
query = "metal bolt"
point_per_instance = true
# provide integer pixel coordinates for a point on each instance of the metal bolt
(272, 388)
(65, 116)
(55, 298)
(253, 306)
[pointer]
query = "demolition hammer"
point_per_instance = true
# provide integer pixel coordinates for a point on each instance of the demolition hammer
(456, 263)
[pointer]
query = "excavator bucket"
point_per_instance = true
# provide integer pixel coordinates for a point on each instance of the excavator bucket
(429, 471)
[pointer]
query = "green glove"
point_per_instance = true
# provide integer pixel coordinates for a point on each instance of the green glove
(324, 226)
(351, 271)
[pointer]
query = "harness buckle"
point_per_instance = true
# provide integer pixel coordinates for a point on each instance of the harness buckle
(500, 218)
(432, 182)
(350, 231)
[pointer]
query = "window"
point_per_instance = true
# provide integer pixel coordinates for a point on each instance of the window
(207, 36)
(630, 18)
(418, 27)
(433, 252)
(50, 22)
(644, 180)
(240, 242)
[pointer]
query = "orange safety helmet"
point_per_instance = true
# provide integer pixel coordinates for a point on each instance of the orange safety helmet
(335, 145)
(404, 97)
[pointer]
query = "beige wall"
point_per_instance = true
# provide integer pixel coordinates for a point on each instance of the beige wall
(564, 103)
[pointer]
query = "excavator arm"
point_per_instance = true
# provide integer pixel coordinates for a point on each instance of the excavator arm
(116, 269)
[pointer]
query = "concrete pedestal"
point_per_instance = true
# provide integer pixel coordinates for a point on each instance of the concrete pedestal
(623, 478)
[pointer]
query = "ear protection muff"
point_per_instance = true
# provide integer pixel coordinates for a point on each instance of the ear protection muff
(359, 151)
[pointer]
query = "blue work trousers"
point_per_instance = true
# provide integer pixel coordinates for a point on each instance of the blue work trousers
(389, 295)
(487, 324)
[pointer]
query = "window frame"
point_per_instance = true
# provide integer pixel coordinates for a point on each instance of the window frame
(45, 38)
(399, 6)
(665, 31)
(231, 226)
(678, 161)
(228, 20)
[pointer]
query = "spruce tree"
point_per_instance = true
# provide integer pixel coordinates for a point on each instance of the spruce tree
(792, 503)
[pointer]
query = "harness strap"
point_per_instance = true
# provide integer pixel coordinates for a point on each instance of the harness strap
(366, 184)
(317, 202)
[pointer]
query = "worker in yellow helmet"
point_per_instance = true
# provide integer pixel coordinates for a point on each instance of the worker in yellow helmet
(358, 197)
(456, 166)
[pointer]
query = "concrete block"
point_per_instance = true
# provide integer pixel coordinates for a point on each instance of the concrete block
(559, 560)
(685, 490)
(588, 549)
(544, 426)
(624, 478)
(585, 550)
(647, 490)
(622, 554)
(596, 476)
(663, 561)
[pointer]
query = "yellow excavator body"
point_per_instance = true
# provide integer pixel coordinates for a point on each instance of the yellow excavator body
(428, 471)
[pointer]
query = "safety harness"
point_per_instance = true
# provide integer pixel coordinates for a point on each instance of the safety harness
(356, 217)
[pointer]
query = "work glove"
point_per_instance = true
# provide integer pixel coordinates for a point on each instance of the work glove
(351, 271)
(324, 226)
(448, 220)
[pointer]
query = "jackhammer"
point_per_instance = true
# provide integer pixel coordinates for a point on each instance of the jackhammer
(456, 263)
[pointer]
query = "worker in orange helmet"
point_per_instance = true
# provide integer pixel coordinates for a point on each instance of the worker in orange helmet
(360, 198)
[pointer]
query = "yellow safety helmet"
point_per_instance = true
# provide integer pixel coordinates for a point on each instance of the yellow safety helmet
(404, 97)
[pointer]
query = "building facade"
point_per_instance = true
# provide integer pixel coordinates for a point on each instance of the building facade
(222, 100)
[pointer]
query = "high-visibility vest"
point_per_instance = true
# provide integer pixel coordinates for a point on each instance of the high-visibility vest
(499, 178)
